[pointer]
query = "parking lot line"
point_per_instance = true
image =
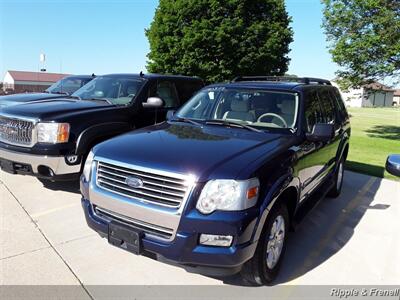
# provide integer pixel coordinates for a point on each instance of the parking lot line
(49, 211)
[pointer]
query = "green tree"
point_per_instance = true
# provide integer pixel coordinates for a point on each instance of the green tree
(364, 38)
(219, 39)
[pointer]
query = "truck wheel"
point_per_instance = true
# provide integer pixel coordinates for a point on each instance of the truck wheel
(264, 266)
(338, 179)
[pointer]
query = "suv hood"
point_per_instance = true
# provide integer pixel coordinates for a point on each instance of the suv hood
(22, 98)
(47, 109)
(207, 152)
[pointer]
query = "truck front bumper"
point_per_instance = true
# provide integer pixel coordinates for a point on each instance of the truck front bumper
(185, 250)
(44, 166)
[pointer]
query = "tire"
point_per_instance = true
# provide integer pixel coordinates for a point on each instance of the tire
(258, 270)
(335, 191)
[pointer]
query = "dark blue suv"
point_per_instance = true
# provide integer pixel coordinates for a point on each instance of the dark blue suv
(217, 186)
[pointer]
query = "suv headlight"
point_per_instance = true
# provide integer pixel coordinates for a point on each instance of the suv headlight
(226, 194)
(52, 133)
(88, 166)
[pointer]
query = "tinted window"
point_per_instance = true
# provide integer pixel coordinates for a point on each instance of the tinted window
(166, 91)
(187, 89)
(340, 104)
(327, 105)
(313, 114)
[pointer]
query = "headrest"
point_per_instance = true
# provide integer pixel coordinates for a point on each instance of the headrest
(238, 105)
(287, 106)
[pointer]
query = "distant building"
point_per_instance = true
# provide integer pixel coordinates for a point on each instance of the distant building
(22, 81)
(396, 97)
(371, 95)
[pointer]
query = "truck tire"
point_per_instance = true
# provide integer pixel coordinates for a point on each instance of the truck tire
(264, 266)
(335, 191)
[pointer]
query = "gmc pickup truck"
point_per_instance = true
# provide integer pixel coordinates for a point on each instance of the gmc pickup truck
(217, 186)
(51, 138)
(60, 89)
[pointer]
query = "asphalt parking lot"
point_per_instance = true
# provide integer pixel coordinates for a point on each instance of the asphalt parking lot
(44, 240)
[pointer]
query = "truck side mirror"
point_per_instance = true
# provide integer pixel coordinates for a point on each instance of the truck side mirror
(393, 164)
(153, 102)
(321, 133)
(170, 114)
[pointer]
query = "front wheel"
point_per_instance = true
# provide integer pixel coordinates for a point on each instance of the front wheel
(338, 179)
(264, 266)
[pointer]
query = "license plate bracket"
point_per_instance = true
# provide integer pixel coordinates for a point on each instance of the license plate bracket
(125, 237)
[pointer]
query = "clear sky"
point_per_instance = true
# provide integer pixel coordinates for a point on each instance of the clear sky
(107, 36)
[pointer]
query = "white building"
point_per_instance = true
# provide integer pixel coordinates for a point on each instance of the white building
(371, 95)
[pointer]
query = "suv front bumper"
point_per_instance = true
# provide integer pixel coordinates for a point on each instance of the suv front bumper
(185, 249)
(43, 166)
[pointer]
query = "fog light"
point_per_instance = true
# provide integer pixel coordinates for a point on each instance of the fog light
(216, 240)
(71, 159)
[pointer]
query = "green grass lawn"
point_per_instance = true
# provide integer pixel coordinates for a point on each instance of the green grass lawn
(375, 133)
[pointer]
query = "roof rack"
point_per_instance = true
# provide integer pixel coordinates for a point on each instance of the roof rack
(305, 80)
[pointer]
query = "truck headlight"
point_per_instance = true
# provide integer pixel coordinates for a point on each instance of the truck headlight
(87, 168)
(52, 133)
(227, 194)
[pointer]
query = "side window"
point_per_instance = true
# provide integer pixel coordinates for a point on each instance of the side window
(340, 104)
(328, 108)
(313, 114)
(166, 91)
(187, 88)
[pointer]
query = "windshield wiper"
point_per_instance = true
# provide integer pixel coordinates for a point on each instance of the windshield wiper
(74, 97)
(101, 99)
(231, 124)
(186, 120)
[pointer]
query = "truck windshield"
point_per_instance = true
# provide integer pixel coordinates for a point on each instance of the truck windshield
(256, 108)
(117, 90)
(67, 85)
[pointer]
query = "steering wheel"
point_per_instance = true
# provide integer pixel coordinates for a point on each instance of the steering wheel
(275, 116)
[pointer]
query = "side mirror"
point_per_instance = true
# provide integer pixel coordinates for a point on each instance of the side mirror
(393, 164)
(321, 133)
(170, 114)
(153, 102)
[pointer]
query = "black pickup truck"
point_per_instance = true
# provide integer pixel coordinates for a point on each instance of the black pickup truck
(59, 89)
(51, 138)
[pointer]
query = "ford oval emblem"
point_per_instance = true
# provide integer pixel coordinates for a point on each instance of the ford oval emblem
(134, 182)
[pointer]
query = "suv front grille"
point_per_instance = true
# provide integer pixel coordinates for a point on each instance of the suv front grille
(16, 131)
(156, 189)
(147, 228)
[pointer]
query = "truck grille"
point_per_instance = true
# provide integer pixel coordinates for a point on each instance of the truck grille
(16, 131)
(149, 229)
(152, 188)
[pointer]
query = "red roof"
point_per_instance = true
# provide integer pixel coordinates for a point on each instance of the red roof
(36, 76)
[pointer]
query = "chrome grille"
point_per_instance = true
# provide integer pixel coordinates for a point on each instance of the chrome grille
(147, 228)
(155, 188)
(16, 131)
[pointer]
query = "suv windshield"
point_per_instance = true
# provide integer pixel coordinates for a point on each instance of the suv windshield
(118, 90)
(67, 85)
(258, 108)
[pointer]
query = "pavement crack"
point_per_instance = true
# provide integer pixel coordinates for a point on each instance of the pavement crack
(26, 252)
(49, 242)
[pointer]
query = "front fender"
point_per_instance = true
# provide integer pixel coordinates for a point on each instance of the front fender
(98, 133)
(281, 184)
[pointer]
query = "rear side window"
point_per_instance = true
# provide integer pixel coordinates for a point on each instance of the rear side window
(187, 88)
(327, 105)
(340, 104)
(313, 113)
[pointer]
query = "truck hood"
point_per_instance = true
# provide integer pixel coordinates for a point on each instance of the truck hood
(22, 98)
(47, 109)
(206, 152)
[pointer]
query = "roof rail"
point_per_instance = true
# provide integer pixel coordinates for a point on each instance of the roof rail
(305, 80)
